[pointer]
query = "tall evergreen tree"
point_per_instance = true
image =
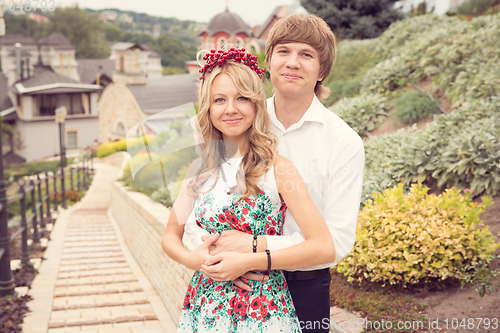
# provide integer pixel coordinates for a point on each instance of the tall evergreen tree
(355, 19)
(83, 29)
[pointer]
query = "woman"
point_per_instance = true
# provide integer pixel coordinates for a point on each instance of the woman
(233, 112)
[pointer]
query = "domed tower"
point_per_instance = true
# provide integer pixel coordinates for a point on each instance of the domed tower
(225, 28)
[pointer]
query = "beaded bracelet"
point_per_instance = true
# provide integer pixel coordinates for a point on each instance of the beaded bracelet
(268, 261)
(254, 243)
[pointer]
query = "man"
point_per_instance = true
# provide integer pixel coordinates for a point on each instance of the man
(329, 155)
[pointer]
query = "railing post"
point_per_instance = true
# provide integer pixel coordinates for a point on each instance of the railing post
(25, 256)
(63, 189)
(49, 214)
(6, 282)
(78, 186)
(71, 178)
(55, 192)
(40, 200)
(84, 175)
(36, 236)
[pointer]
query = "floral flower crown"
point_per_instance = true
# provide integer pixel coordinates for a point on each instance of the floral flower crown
(218, 58)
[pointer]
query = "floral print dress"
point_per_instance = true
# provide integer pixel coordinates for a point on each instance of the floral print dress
(213, 306)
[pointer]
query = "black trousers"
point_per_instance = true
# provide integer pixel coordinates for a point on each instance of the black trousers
(312, 302)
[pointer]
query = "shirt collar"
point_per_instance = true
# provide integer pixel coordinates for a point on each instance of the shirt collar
(313, 113)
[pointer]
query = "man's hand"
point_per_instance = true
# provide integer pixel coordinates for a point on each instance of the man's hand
(249, 276)
(236, 241)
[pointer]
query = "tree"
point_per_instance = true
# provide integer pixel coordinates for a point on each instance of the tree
(83, 29)
(355, 19)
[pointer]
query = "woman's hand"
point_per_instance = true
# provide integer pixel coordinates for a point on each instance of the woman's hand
(201, 254)
(228, 266)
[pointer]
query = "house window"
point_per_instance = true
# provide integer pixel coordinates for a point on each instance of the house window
(239, 43)
(71, 139)
(221, 43)
(47, 105)
(120, 130)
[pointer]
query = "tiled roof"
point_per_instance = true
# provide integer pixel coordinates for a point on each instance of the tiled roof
(46, 77)
(11, 39)
(122, 46)
(88, 68)
(56, 39)
(164, 93)
(227, 22)
(5, 102)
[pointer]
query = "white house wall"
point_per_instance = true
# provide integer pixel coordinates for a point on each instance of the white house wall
(40, 139)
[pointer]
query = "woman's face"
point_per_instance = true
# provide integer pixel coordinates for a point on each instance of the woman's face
(230, 112)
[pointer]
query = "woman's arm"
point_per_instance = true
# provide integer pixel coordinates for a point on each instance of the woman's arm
(318, 247)
(171, 241)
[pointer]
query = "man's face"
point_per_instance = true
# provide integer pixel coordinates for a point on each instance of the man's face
(294, 69)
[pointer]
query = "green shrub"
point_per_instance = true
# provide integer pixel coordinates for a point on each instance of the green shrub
(363, 113)
(353, 59)
(132, 145)
(413, 106)
(474, 7)
(417, 238)
(386, 76)
(342, 88)
(162, 195)
(461, 150)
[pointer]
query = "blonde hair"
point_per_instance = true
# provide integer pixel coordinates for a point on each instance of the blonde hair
(307, 29)
(261, 143)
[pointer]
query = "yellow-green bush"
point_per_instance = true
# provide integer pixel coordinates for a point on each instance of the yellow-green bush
(132, 145)
(414, 238)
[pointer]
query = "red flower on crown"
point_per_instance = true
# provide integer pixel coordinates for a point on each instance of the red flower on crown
(219, 58)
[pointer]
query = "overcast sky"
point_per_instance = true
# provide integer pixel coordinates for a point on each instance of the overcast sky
(253, 12)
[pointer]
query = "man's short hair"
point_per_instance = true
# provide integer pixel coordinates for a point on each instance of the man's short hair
(311, 30)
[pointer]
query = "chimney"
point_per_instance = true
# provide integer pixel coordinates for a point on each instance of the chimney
(18, 61)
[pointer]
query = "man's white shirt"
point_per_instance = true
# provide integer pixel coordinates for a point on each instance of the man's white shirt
(329, 156)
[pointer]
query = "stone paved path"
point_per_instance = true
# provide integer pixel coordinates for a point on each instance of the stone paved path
(90, 282)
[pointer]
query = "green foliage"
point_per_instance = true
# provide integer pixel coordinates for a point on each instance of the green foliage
(363, 114)
(174, 53)
(413, 106)
(111, 148)
(460, 56)
(173, 70)
(342, 89)
(480, 275)
(353, 59)
(15, 24)
(461, 149)
(475, 7)
(83, 29)
(355, 19)
(162, 195)
(128, 181)
(410, 239)
(387, 75)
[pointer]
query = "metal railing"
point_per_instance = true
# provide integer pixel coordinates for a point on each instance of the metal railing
(41, 211)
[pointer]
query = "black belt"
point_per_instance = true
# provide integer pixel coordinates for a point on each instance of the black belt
(304, 275)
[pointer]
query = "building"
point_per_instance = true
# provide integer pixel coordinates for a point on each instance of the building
(223, 29)
(149, 62)
(38, 77)
(135, 96)
(228, 28)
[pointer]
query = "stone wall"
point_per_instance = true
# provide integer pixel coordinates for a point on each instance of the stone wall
(142, 223)
(117, 105)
